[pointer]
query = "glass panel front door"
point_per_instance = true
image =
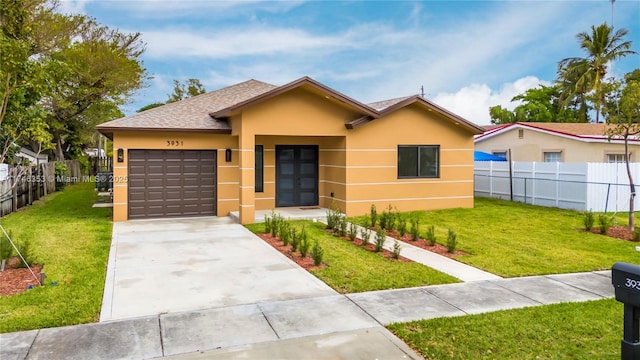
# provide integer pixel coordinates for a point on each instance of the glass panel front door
(296, 175)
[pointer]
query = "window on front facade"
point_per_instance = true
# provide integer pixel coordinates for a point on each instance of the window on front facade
(615, 158)
(418, 161)
(259, 151)
(553, 156)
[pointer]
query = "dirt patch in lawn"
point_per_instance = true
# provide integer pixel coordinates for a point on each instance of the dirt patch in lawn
(14, 280)
(424, 244)
(618, 232)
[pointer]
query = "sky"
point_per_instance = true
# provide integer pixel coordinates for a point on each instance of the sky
(465, 55)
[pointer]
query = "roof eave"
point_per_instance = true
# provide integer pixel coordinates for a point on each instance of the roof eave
(108, 131)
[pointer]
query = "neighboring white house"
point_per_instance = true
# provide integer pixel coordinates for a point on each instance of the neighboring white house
(33, 158)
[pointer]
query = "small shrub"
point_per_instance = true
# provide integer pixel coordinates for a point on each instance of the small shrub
(415, 228)
(295, 241)
(431, 235)
(6, 250)
(387, 219)
(26, 250)
(589, 220)
(353, 232)
(365, 235)
(381, 236)
(342, 228)
(267, 224)
(604, 223)
(396, 249)
(402, 225)
(373, 216)
(61, 172)
(285, 232)
(333, 215)
(275, 225)
(304, 244)
(636, 234)
(452, 241)
(317, 253)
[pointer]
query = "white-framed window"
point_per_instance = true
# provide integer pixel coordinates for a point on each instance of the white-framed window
(615, 158)
(552, 156)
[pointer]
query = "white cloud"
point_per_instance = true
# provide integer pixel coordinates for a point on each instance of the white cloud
(73, 6)
(473, 102)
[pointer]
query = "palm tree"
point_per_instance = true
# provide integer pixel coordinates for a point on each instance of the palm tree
(580, 76)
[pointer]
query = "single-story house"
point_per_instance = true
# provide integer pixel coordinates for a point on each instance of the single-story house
(555, 142)
(256, 146)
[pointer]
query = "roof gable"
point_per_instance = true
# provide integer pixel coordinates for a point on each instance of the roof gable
(585, 132)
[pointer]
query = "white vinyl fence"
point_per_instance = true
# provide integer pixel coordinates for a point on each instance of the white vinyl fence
(579, 186)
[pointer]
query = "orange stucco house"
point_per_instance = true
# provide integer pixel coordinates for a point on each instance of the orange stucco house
(255, 146)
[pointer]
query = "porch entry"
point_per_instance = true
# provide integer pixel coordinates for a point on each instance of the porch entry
(296, 175)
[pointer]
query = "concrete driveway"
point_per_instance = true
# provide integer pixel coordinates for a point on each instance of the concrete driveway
(165, 266)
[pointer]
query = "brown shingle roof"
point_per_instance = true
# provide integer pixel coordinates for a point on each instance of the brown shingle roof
(381, 105)
(191, 113)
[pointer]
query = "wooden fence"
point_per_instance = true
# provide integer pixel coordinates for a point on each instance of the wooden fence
(27, 184)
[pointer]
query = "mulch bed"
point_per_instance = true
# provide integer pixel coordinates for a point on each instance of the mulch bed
(14, 280)
(618, 232)
(424, 244)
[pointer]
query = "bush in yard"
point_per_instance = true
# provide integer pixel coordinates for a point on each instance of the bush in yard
(334, 215)
(452, 241)
(396, 249)
(381, 236)
(267, 224)
(387, 219)
(317, 253)
(431, 235)
(26, 250)
(415, 228)
(6, 250)
(61, 172)
(374, 216)
(295, 241)
(636, 234)
(275, 225)
(402, 225)
(365, 235)
(342, 228)
(589, 220)
(304, 243)
(285, 232)
(353, 232)
(604, 222)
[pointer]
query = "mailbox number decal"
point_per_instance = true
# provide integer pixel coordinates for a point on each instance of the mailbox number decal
(632, 284)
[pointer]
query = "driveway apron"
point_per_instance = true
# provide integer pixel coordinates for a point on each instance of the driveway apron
(165, 266)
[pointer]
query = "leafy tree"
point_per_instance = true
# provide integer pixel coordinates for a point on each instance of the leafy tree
(91, 77)
(189, 88)
(150, 106)
(540, 104)
(622, 111)
(586, 75)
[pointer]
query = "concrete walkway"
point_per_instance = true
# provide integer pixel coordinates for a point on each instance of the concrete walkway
(326, 327)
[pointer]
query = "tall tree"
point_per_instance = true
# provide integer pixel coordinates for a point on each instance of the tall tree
(540, 104)
(586, 75)
(189, 88)
(622, 111)
(91, 77)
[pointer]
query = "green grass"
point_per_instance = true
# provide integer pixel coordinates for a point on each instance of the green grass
(352, 269)
(590, 330)
(72, 240)
(514, 239)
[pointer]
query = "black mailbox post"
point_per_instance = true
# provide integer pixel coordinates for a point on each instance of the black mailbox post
(626, 282)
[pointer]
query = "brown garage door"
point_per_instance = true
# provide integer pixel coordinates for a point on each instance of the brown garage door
(165, 183)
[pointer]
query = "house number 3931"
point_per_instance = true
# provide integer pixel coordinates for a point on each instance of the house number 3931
(175, 142)
(632, 284)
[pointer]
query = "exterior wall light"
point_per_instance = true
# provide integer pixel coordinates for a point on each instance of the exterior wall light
(120, 155)
(227, 155)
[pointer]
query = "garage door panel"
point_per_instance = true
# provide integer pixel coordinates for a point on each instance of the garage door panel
(165, 183)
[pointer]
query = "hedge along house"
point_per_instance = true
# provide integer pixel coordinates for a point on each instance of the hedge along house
(255, 146)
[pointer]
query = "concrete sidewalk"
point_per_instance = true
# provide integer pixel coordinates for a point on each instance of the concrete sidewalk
(337, 326)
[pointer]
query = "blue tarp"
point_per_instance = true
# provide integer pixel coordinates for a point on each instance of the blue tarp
(483, 156)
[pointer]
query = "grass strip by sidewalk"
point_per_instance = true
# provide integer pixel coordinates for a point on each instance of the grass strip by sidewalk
(589, 330)
(512, 239)
(352, 269)
(72, 240)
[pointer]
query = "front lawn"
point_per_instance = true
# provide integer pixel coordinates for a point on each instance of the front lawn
(352, 269)
(513, 239)
(72, 240)
(590, 330)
